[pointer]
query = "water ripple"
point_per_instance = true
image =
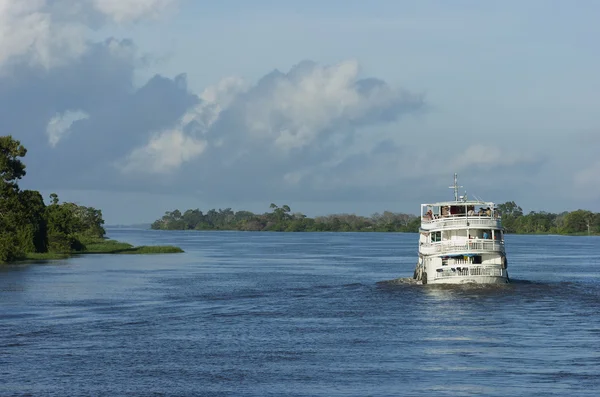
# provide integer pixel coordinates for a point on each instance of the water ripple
(265, 314)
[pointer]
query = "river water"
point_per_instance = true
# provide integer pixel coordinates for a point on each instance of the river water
(299, 314)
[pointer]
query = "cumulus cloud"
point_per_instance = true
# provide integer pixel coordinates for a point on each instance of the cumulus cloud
(28, 29)
(60, 124)
(131, 10)
(165, 151)
(118, 116)
(51, 33)
(213, 100)
(89, 124)
(300, 118)
(168, 150)
(314, 102)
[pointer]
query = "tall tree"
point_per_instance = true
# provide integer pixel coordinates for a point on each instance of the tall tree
(11, 167)
(510, 208)
(22, 222)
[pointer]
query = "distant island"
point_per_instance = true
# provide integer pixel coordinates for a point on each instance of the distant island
(32, 230)
(281, 219)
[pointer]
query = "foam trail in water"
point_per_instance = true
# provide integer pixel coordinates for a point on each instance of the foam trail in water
(400, 281)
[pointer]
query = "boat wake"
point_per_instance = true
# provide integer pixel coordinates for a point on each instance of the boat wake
(400, 281)
(412, 281)
(405, 281)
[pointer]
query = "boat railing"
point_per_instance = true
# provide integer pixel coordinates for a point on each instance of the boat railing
(461, 221)
(448, 246)
(470, 271)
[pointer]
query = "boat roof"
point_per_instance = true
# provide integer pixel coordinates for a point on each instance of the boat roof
(460, 202)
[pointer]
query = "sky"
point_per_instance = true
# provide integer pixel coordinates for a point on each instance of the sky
(138, 107)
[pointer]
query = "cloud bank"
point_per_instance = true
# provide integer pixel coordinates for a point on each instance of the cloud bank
(306, 117)
(313, 132)
(50, 33)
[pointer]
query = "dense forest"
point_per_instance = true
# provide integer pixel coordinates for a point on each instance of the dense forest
(575, 222)
(28, 225)
(281, 219)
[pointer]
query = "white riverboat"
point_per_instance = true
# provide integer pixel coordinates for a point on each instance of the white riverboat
(461, 241)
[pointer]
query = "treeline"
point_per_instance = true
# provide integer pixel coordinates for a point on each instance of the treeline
(574, 222)
(281, 219)
(27, 224)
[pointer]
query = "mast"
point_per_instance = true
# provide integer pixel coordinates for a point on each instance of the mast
(455, 187)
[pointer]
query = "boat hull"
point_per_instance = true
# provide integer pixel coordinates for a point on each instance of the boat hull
(460, 275)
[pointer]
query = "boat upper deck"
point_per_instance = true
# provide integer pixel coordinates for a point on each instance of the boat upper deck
(462, 245)
(460, 214)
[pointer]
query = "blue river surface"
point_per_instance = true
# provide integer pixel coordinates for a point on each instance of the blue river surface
(299, 314)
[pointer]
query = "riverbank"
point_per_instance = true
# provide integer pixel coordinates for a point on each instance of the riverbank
(103, 246)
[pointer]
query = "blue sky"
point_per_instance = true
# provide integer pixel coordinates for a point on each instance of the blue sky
(142, 106)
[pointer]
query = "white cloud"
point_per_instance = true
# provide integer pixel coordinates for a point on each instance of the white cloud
(168, 150)
(50, 33)
(312, 106)
(28, 28)
(313, 102)
(122, 11)
(60, 125)
(305, 105)
(213, 100)
(164, 153)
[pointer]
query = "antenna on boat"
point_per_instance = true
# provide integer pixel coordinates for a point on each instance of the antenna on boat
(455, 187)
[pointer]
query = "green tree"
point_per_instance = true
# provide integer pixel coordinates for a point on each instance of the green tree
(61, 228)
(22, 225)
(27, 225)
(192, 218)
(510, 208)
(280, 214)
(11, 167)
(32, 233)
(510, 212)
(580, 221)
(71, 225)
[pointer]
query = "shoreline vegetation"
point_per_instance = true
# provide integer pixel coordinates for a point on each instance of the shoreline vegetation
(281, 219)
(102, 246)
(30, 230)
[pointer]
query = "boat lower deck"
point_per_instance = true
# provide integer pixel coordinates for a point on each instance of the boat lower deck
(479, 274)
(461, 275)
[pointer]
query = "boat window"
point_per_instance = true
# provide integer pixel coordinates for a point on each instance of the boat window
(477, 259)
(457, 210)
